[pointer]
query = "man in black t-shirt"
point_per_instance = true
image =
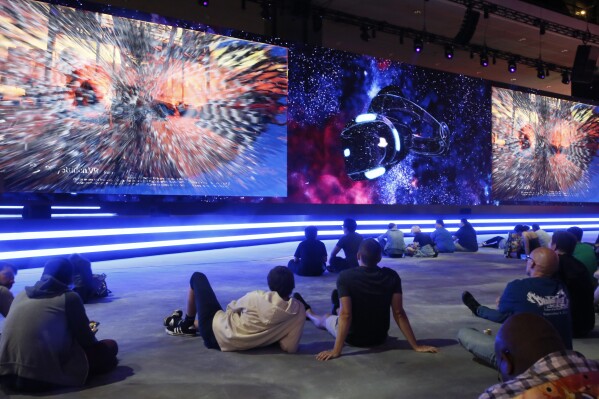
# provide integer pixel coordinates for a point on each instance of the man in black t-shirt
(310, 256)
(349, 243)
(366, 293)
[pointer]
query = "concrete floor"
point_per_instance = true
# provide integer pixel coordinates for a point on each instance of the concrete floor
(155, 365)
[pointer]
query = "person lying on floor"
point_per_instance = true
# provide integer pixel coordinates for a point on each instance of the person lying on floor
(47, 341)
(541, 293)
(362, 300)
(533, 360)
(259, 318)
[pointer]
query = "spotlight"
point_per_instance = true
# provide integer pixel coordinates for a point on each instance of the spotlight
(484, 59)
(540, 71)
(565, 77)
(511, 66)
(449, 51)
(418, 45)
(364, 35)
(204, 3)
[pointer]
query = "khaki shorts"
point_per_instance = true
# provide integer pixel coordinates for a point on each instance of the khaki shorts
(332, 324)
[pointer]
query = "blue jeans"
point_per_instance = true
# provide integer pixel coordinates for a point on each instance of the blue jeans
(206, 305)
(481, 345)
(491, 314)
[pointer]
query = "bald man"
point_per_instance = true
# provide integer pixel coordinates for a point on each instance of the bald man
(530, 353)
(540, 293)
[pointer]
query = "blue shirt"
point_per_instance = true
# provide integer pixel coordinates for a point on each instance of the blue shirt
(443, 240)
(543, 296)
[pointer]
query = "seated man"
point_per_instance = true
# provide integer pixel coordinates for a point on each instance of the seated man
(540, 294)
(577, 281)
(259, 318)
(465, 237)
(584, 252)
(366, 294)
(442, 238)
(422, 246)
(392, 242)
(544, 238)
(310, 256)
(349, 243)
(531, 355)
(47, 340)
(7, 279)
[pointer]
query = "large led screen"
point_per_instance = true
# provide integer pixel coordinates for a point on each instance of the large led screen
(94, 103)
(369, 131)
(544, 149)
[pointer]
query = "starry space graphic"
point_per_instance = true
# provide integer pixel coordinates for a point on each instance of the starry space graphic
(329, 88)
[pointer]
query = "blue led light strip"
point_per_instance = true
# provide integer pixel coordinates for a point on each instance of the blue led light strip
(141, 245)
(243, 226)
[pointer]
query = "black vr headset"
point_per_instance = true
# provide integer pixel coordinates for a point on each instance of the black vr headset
(394, 126)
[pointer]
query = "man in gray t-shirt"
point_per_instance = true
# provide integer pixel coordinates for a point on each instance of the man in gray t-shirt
(349, 243)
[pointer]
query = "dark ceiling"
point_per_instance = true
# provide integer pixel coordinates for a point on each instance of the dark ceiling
(530, 33)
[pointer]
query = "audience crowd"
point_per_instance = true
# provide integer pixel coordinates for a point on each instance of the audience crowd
(48, 341)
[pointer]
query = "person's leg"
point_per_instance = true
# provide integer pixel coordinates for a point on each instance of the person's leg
(337, 264)
(459, 248)
(294, 266)
(491, 314)
(481, 345)
(206, 304)
(101, 356)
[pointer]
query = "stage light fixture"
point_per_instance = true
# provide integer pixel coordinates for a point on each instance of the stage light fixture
(541, 71)
(204, 3)
(364, 33)
(511, 66)
(484, 59)
(449, 51)
(418, 44)
(565, 77)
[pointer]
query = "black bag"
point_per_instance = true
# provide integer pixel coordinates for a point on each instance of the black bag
(100, 287)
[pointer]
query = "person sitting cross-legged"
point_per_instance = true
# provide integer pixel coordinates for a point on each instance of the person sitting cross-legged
(47, 340)
(310, 257)
(541, 293)
(257, 319)
(365, 295)
(534, 362)
(392, 242)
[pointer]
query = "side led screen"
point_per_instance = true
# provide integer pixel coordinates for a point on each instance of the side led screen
(94, 103)
(544, 149)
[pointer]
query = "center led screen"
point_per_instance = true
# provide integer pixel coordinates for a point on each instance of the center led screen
(369, 131)
(95, 103)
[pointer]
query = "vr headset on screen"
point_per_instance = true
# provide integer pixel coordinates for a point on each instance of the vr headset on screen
(393, 127)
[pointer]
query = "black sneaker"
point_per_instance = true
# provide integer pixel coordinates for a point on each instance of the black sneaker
(335, 300)
(470, 302)
(173, 319)
(181, 328)
(297, 296)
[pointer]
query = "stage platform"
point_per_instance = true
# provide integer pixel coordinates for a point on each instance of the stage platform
(156, 365)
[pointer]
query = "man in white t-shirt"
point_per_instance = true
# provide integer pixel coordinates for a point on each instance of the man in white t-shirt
(259, 318)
